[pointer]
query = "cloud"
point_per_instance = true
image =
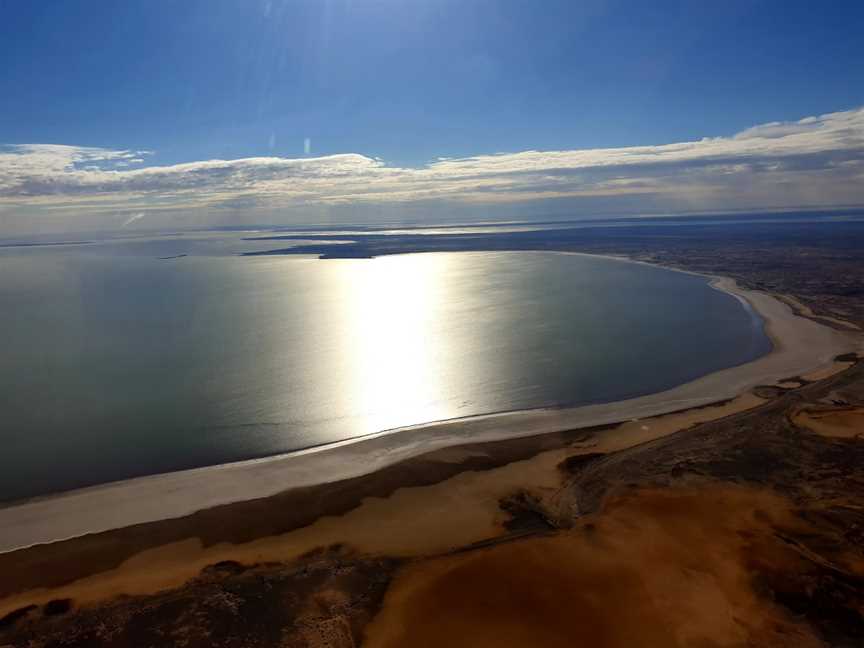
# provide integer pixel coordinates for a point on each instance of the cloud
(816, 161)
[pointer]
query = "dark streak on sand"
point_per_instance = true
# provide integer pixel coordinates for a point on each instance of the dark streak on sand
(63, 562)
(242, 606)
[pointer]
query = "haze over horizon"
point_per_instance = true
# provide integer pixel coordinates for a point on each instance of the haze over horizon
(157, 115)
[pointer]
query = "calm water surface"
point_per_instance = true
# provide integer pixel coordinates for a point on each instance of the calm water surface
(118, 366)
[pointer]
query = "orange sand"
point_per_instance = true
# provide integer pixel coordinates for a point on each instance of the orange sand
(846, 423)
(657, 568)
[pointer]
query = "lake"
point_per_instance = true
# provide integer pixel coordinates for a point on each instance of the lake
(114, 366)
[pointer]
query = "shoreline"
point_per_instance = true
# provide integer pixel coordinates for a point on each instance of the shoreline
(799, 346)
(427, 505)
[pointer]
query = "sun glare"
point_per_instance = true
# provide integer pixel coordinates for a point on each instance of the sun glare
(395, 353)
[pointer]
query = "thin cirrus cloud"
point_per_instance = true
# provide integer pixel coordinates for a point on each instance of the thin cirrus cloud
(817, 161)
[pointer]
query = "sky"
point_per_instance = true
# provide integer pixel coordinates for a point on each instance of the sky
(164, 114)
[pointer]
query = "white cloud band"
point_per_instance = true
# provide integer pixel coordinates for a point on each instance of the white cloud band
(814, 161)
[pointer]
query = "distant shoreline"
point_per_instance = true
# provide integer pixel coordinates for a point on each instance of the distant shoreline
(800, 346)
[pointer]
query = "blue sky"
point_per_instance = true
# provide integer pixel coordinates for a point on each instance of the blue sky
(402, 82)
